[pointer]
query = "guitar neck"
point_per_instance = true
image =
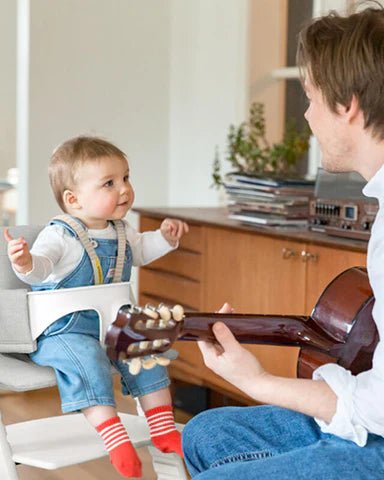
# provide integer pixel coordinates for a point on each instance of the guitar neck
(288, 330)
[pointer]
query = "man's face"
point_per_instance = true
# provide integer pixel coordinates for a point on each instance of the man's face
(329, 129)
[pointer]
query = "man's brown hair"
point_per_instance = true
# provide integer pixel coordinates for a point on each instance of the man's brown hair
(70, 155)
(343, 57)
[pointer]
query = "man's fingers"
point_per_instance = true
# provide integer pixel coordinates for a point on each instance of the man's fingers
(224, 336)
(208, 349)
(226, 308)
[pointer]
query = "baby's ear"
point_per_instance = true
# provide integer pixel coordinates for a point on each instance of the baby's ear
(70, 200)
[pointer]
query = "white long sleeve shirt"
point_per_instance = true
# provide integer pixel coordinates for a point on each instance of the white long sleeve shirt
(56, 252)
(360, 404)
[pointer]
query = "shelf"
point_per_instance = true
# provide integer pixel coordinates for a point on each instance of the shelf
(286, 73)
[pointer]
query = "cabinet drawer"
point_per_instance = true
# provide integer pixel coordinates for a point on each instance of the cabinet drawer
(193, 240)
(170, 288)
(180, 262)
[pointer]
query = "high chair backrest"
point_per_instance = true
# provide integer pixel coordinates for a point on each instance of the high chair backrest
(15, 334)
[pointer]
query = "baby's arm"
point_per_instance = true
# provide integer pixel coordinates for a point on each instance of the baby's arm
(18, 253)
(149, 246)
(173, 229)
(41, 259)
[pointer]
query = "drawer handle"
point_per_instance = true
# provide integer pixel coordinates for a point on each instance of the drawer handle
(306, 256)
(288, 253)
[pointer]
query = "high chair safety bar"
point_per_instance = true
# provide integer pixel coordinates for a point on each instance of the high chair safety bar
(45, 307)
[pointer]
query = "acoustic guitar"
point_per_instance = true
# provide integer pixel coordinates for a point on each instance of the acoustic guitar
(339, 330)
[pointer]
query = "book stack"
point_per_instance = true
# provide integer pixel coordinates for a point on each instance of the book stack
(274, 202)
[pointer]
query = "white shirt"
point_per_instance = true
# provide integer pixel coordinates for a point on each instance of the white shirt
(360, 404)
(56, 252)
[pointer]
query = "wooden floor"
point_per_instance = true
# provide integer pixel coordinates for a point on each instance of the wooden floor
(17, 407)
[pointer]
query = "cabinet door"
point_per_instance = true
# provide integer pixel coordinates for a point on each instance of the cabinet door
(324, 264)
(255, 273)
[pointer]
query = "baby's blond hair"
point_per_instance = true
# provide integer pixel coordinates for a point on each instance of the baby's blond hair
(72, 154)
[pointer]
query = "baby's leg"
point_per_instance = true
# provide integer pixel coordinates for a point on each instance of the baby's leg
(121, 452)
(83, 373)
(157, 407)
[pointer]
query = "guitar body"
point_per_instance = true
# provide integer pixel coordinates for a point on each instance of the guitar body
(340, 329)
(344, 312)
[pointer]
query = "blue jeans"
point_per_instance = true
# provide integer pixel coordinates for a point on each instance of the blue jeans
(271, 443)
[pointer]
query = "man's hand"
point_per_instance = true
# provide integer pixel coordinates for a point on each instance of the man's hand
(238, 366)
(173, 229)
(18, 253)
(228, 358)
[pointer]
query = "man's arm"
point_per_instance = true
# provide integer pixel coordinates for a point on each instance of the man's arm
(241, 368)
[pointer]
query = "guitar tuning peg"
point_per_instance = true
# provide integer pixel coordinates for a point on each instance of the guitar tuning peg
(164, 312)
(134, 366)
(163, 323)
(139, 325)
(178, 313)
(143, 345)
(150, 323)
(150, 311)
(157, 343)
(163, 361)
(148, 363)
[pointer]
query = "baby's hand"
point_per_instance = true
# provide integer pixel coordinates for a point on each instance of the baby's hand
(18, 253)
(172, 230)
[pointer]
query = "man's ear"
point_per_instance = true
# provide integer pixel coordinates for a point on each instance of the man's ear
(351, 112)
(70, 200)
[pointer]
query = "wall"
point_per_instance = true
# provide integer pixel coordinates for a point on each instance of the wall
(99, 67)
(7, 86)
(161, 79)
(209, 78)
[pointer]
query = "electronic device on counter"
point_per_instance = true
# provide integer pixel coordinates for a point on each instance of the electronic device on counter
(339, 206)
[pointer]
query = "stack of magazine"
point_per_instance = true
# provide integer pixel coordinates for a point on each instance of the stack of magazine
(269, 201)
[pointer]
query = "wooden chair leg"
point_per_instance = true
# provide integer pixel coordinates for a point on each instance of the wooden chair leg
(7, 466)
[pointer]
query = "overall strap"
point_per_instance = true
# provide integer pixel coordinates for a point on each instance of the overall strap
(121, 244)
(82, 234)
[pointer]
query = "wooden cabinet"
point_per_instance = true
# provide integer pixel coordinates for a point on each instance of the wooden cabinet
(253, 271)
(322, 265)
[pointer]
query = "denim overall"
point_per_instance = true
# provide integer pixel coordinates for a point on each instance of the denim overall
(71, 344)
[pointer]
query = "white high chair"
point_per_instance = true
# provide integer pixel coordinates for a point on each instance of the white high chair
(56, 442)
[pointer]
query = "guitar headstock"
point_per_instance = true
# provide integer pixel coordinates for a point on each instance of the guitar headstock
(141, 332)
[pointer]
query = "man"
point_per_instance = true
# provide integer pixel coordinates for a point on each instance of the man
(316, 428)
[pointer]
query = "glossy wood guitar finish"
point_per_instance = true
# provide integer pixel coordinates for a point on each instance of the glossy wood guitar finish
(340, 329)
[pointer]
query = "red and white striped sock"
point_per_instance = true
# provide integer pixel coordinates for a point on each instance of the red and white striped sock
(163, 431)
(121, 452)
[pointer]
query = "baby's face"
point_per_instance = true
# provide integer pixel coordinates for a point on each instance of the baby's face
(103, 191)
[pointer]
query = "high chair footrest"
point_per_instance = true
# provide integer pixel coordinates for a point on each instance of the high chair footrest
(56, 442)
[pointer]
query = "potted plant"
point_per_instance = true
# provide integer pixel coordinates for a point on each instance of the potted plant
(250, 153)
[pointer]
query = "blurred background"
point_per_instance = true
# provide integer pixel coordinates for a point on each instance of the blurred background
(162, 79)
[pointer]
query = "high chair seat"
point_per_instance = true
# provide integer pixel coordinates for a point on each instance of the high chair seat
(20, 374)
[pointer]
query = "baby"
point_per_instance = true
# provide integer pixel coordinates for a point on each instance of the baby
(90, 180)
